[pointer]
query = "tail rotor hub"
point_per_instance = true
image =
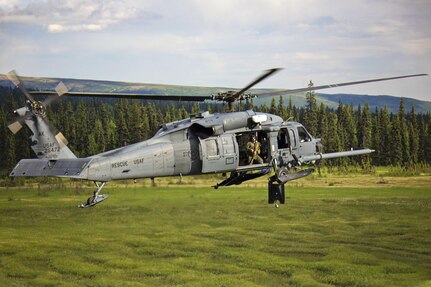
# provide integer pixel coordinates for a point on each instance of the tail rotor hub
(38, 108)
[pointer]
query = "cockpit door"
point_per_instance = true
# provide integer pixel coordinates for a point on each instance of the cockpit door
(219, 153)
(306, 144)
(292, 138)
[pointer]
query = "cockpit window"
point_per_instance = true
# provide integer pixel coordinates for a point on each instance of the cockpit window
(303, 135)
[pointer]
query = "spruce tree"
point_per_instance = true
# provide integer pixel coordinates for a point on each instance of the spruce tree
(366, 134)
(281, 109)
(290, 112)
(92, 146)
(428, 141)
(422, 138)
(273, 107)
(385, 137)
(358, 125)
(98, 135)
(413, 136)
(310, 115)
(82, 120)
(70, 124)
(376, 138)
(145, 123)
(264, 108)
(332, 141)
(405, 140)
(322, 127)
(134, 123)
(366, 128)
(121, 122)
(396, 143)
(341, 126)
(108, 131)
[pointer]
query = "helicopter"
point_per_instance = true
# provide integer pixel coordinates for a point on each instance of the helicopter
(205, 143)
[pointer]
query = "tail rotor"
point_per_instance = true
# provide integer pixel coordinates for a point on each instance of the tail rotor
(47, 140)
(33, 108)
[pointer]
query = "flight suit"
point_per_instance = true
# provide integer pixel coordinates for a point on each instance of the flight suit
(253, 151)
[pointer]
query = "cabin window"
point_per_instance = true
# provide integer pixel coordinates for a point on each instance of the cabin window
(228, 145)
(212, 148)
(303, 135)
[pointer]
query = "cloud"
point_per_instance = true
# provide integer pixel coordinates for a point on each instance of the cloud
(57, 28)
(72, 15)
(216, 42)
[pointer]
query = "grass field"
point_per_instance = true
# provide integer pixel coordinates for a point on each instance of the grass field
(188, 236)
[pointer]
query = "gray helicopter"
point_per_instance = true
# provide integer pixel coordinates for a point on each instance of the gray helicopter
(246, 144)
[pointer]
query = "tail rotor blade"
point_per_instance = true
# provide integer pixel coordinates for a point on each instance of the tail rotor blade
(15, 79)
(17, 124)
(62, 141)
(15, 127)
(61, 89)
(59, 137)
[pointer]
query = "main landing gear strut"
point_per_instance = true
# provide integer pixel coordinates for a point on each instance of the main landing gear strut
(96, 198)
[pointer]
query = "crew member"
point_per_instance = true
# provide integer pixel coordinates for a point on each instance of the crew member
(253, 151)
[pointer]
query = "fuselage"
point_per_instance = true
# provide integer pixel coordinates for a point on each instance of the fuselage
(207, 143)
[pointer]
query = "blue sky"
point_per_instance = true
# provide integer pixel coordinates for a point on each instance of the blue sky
(222, 43)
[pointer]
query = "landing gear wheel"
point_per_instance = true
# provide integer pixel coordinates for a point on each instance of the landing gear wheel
(96, 198)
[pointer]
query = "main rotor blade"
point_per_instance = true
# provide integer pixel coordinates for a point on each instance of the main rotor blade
(265, 75)
(128, 96)
(294, 91)
(15, 79)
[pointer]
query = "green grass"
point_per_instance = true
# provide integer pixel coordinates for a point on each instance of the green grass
(187, 236)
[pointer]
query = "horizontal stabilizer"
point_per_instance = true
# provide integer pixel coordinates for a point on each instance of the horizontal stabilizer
(45, 167)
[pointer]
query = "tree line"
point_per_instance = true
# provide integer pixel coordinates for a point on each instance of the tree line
(93, 126)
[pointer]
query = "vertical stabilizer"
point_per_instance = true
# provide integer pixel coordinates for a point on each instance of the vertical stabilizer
(46, 141)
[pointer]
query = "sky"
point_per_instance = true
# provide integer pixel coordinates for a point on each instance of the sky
(222, 43)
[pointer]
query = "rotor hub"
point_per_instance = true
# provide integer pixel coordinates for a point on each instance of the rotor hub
(231, 96)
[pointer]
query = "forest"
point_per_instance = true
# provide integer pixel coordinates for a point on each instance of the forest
(401, 139)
